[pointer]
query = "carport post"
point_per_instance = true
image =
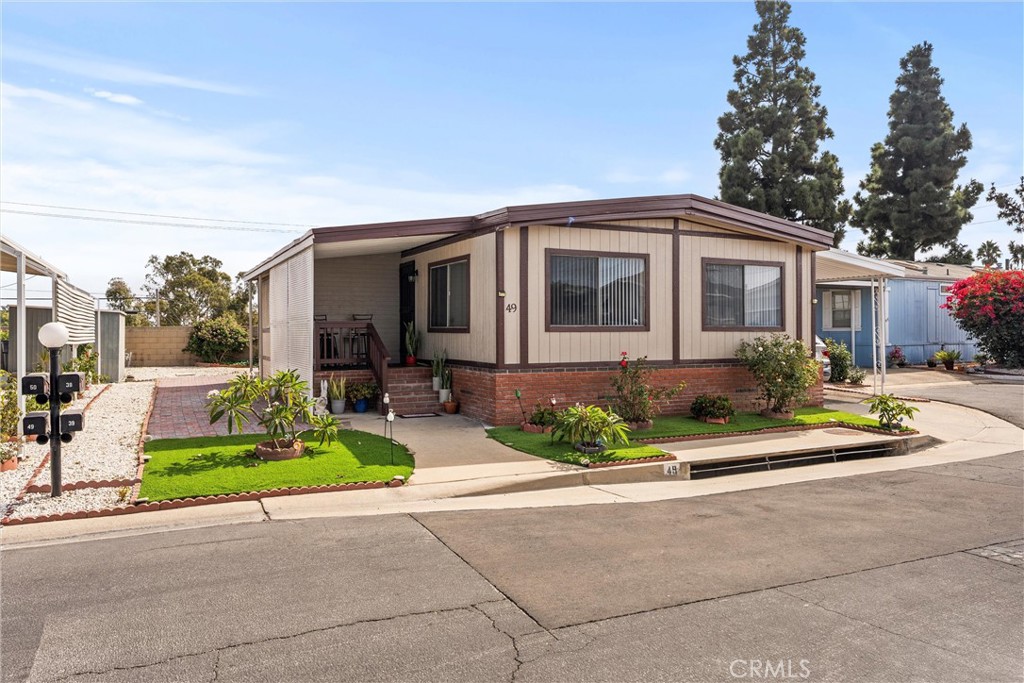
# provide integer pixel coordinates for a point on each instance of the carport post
(22, 341)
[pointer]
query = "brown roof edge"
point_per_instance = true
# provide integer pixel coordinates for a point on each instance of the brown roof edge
(431, 226)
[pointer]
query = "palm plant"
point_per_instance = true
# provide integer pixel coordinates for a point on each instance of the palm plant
(989, 253)
(590, 427)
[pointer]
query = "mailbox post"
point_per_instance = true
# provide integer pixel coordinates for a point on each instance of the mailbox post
(53, 428)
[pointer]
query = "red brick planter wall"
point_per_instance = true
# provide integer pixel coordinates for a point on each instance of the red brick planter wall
(490, 395)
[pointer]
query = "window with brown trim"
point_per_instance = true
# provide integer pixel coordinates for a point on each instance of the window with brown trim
(448, 296)
(589, 290)
(742, 295)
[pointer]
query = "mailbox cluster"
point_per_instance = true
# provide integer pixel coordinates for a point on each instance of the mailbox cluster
(38, 422)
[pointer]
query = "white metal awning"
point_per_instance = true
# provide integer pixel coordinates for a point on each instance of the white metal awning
(835, 265)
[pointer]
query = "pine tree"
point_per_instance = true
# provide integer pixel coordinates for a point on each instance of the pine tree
(956, 254)
(909, 200)
(989, 253)
(769, 140)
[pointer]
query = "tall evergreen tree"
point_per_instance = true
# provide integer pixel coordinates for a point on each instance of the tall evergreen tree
(1010, 209)
(909, 200)
(769, 140)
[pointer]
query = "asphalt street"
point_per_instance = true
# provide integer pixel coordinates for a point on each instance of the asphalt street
(907, 575)
(1004, 400)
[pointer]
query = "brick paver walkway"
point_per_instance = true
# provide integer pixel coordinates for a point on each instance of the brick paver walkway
(179, 410)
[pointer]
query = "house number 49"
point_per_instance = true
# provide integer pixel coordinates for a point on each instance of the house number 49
(511, 308)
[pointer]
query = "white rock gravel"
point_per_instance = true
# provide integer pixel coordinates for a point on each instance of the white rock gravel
(148, 374)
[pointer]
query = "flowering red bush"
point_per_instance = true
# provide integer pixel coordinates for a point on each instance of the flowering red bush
(990, 307)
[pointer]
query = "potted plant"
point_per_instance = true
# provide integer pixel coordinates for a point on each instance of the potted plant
(948, 358)
(891, 411)
(896, 357)
(445, 392)
(451, 406)
(783, 372)
(360, 394)
(713, 409)
(932, 363)
(437, 368)
(412, 342)
(9, 451)
(541, 421)
(636, 400)
(590, 429)
(278, 403)
(336, 393)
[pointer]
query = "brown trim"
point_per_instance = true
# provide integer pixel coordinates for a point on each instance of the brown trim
(664, 231)
(499, 305)
(548, 327)
(469, 296)
(583, 366)
(444, 242)
(368, 231)
(524, 294)
(726, 235)
(814, 296)
(706, 261)
(800, 293)
(616, 228)
(676, 284)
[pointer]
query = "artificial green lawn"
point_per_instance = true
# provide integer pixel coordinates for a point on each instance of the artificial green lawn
(667, 426)
(205, 466)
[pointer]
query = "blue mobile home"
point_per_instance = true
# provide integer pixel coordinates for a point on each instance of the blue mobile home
(917, 324)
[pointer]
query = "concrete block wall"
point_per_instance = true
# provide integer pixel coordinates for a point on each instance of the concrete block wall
(158, 346)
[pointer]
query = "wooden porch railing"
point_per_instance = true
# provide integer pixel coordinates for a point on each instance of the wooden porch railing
(352, 343)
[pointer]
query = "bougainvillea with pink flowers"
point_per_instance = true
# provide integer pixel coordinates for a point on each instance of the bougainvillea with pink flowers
(990, 307)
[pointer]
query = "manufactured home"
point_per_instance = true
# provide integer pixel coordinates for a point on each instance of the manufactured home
(541, 298)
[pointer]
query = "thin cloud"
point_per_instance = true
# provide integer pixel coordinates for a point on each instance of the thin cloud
(116, 98)
(100, 69)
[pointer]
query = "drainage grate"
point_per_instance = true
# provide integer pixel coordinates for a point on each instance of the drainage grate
(767, 463)
(411, 415)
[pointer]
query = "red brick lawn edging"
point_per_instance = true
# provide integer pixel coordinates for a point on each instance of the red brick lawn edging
(632, 461)
(776, 430)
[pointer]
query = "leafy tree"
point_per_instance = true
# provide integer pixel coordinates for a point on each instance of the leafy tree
(956, 254)
(1010, 210)
(5, 323)
(769, 140)
(190, 289)
(989, 253)
(217, 340)
(120, 297)
(989, 306)
(909, 200)
(1016, 255)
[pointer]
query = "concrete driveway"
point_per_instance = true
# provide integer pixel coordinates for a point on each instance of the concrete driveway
(1003, 398)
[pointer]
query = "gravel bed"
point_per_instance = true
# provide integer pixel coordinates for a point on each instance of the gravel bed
(105, 449)
(148, 374)
(11, 483)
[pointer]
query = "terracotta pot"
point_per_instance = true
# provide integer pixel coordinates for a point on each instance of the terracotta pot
(536, 429)
(640, 426)
(451, 407)
(716, 420)
(265, 450)
(768, 412)
(8, 465)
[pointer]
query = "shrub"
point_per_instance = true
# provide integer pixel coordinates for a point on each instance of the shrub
(636, 399)
(782, 369)
(947, 356)
(857, 375)
(590, 426)
(890, 410)
(990, 307)
(215, 340)
(9, 411)
(841, 359)
(358, 390)
(543, 416)
(707, 405)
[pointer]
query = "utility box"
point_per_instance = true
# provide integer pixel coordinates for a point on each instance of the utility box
(35, 384)
(71, 421)
(36, 423)
(70, 382)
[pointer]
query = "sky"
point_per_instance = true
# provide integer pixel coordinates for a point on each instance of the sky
(287, 116)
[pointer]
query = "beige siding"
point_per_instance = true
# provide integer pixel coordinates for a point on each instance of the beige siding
(479, 343)
(698, 344)
(512, 319)
(360, 284)
(291, 315)
(559, 347)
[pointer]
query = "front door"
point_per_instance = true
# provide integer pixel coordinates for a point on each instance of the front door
(406, 300)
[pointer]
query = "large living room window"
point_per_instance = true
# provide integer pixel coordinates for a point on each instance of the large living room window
(742, 295)
(449, 295)
(590, 290)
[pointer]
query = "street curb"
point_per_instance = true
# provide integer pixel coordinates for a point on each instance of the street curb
(631, 461)
(777, 430)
